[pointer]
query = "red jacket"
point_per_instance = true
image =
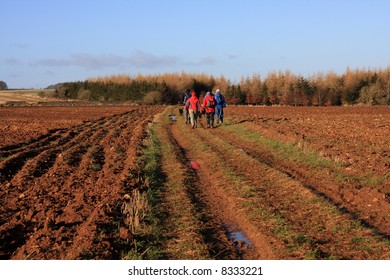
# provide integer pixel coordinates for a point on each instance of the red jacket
(209, 103)
(193, 103)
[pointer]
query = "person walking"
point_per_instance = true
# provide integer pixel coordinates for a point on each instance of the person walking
(193, 107)
(209, 106)
(186, 96)
(220, 104)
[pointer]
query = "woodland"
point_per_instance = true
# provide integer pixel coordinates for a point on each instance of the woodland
(357, 86)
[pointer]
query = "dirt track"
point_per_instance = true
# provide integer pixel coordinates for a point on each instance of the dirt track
(284, 210)
(224, 193)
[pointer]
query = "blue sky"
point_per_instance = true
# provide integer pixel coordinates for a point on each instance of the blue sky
(46, 42)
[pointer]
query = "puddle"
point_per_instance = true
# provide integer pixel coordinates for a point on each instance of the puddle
(172, 118)
(237, 236)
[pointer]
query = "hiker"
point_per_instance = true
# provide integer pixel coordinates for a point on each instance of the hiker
(193, 107)
(220, 104)
(186, 96)
(209, 107)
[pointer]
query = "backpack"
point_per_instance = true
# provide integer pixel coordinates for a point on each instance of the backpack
(210, 102)
(187, 95)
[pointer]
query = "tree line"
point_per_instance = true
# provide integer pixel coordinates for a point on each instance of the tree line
(359, 86)
(3, 85)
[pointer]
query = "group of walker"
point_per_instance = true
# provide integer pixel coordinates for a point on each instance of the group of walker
(212, 106)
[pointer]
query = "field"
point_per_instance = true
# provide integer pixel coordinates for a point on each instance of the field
(122, 182)
(25, 96)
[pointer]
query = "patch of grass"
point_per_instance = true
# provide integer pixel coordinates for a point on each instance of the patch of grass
(312, 255)
(282, 150)
(147, 243)
(375, 181)
(338, 229)
(244, 190)
(357, 240)
(300, 239)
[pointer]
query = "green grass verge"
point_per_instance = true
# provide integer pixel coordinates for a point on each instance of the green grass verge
(147, 244)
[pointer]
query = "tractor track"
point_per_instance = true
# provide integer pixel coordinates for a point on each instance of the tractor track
(215, 208)
(213, 233)
(317, 227)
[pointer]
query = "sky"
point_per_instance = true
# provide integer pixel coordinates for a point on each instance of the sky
(47, 42)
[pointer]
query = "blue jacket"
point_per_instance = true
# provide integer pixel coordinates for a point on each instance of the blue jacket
(221, 103)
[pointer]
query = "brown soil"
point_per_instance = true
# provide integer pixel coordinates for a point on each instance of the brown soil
(61, 192)
(65, 170)
(305, 212)
(356, 138)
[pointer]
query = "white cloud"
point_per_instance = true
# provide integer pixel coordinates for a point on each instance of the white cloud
(22, 45)
(139, 59)
(232, 56)
(50, 73)
(145, 60)
(51, 62)
(12, 61)
(208, 60)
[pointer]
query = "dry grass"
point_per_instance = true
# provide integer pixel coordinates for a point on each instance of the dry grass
(135, 208)
(28, 96)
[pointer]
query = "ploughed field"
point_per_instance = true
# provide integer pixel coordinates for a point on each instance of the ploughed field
(353, 144)
(269, 183)
(63, 172)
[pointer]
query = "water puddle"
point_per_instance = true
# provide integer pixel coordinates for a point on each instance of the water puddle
(237, 236)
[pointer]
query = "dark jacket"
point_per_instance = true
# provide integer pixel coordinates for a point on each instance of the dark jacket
(193, 103)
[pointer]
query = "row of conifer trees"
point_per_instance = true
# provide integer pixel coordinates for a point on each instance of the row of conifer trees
(370, 87)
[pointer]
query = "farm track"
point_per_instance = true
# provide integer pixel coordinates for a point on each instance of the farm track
(195, 228)
(61, 193)
(276, 208)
